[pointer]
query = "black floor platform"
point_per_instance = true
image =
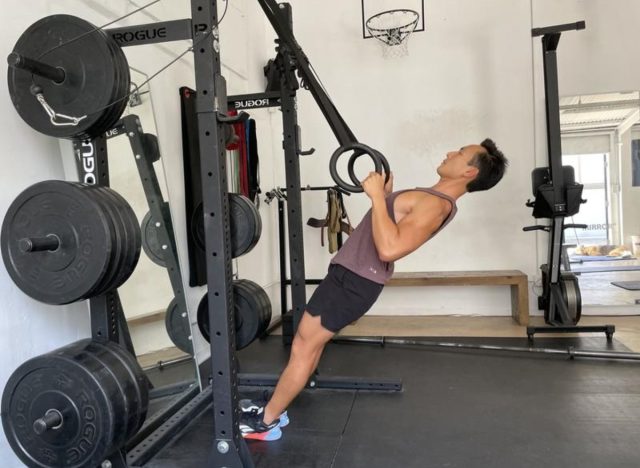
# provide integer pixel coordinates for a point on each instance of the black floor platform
(459, 408)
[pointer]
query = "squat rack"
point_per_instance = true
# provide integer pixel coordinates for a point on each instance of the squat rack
(228, 447)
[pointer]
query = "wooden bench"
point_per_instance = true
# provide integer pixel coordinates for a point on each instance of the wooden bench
(514, 278)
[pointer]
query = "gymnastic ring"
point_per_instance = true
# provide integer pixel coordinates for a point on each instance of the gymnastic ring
(378, 155)
(379, 161)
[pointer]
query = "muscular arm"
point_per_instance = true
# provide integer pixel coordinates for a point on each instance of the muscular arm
(394, 241)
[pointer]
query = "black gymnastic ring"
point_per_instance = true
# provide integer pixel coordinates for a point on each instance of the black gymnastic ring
(379, 161)
(378, 155)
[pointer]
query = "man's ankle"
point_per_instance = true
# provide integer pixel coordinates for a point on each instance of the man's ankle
(267, 416)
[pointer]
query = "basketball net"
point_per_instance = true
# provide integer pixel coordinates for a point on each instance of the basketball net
(393, 28)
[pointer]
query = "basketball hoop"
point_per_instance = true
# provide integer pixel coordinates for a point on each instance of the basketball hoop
(393, 28)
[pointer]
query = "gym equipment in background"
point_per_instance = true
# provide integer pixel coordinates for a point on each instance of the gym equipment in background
(67, 241)
(252, 309)
(76, 406)
(51, 78)
(557, 195)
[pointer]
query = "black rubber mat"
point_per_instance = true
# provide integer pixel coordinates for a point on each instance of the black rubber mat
(459, 408)
(630, 285)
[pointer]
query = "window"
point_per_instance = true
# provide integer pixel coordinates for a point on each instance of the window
(591, 171)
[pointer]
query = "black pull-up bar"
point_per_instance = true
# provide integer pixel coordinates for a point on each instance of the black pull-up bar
(558, 29)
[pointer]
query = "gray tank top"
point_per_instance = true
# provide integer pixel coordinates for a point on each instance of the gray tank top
(359, 254)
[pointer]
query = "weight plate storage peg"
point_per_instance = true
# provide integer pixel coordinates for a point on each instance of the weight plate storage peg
(75, 406)
(66, 241)
(67, 78)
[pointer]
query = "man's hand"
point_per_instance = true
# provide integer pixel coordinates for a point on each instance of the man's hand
(388, 187)
(374, 185)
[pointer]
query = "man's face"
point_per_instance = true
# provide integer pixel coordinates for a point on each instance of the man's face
(456, 163)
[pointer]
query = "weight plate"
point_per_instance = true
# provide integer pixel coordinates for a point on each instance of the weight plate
(151, 241)
(151, 146)
(131, 379)
(116, 233)
(81, 261)
(252, 313)
(91, 82)
(245, 225)
(258, 301)
(71, 382)
(135, 237)
(120, 99)
(177, 323)
(101, 367)
(133, 373)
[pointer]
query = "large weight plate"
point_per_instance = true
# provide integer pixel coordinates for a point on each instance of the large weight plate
(177, 323)
(134, 237)
(95, 77)
(135, 374)
(116, 232)
(76, 387)
(245, 225)
(82, 260)
(131, 380)
(252, 313)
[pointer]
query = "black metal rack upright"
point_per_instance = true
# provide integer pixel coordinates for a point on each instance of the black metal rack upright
(228, 448)
(285, 318)
(107, 316)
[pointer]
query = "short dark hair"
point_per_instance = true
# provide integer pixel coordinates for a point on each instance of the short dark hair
(491, 164)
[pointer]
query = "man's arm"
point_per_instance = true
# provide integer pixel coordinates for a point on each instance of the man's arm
(394, 241)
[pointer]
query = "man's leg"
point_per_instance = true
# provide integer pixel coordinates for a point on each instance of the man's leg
(306, 350)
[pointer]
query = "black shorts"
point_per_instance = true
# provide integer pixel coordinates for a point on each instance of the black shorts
(342, 298)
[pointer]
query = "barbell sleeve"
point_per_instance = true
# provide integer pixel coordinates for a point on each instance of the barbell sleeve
(50, 420)
(39, 244)
(36, 67)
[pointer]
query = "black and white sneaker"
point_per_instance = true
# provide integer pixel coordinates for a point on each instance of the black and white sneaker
(247, 405)
(252, 426)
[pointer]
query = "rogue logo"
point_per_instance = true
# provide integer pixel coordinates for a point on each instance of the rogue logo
(87, 153)
(140, 35)
(249, 103)
(111, 133)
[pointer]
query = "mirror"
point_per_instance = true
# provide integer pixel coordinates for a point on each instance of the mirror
(147, 295)
(601, 140)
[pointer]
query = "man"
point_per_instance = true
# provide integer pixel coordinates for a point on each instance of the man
(397, 224)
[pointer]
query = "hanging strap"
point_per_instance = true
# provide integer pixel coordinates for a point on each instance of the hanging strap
(333, 221)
